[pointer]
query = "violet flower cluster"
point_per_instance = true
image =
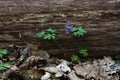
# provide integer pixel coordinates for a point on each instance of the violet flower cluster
(68, 28)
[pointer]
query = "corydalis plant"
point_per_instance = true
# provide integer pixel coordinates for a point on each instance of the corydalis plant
(50, 34)
(47, 34)
(84, 52)
(75, 58)
(76, 31)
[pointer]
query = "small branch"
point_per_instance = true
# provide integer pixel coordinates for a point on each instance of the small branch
(59, 45)
(68, 41)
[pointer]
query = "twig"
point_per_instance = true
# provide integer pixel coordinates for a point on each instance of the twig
(59, 45)
(68, 41)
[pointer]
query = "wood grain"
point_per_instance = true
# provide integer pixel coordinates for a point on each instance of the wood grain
(20, 20)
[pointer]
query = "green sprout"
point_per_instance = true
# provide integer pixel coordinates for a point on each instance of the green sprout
(54, 77)
(3, 52)
(78, 31)
(4, 66)
(83, 52)
(117, 57)
(47, 34)
(75, 58)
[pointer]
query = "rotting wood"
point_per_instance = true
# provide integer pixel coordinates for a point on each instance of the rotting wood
(20, 20)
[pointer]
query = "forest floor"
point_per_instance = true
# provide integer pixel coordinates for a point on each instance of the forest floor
(34, 64)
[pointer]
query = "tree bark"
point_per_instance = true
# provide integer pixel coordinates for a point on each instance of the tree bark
(20, 20)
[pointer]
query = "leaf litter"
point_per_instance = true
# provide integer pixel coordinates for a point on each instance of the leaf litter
(31, 63)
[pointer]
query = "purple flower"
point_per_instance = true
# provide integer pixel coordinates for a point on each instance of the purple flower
(68, 28)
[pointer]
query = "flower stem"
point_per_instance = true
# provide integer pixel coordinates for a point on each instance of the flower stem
(68, 41)
(59, 45)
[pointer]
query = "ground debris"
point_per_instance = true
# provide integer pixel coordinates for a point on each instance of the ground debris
(73, 76)
(36, 64)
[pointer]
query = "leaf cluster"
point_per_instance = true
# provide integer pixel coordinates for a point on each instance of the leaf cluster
(3, 52)
(78, 31)
(4, 66)
(53, 77)
(47, 34)
(84, 52)
(75, 58)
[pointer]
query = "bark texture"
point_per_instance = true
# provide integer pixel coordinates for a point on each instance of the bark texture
(21, 19)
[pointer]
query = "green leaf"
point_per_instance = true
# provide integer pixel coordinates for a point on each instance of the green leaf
(81, 30)
(4, 66)
(73, 29)
(78, 31)
(84, 52)
(40, 34)
(1, 55)
(3, 52)
(53, 76)
(47, 34)
(8, 64)
(75, 34)
(53, 36)
(51, 30)
(75, 58)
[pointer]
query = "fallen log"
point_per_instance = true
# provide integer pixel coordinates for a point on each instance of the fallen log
(21, 20)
